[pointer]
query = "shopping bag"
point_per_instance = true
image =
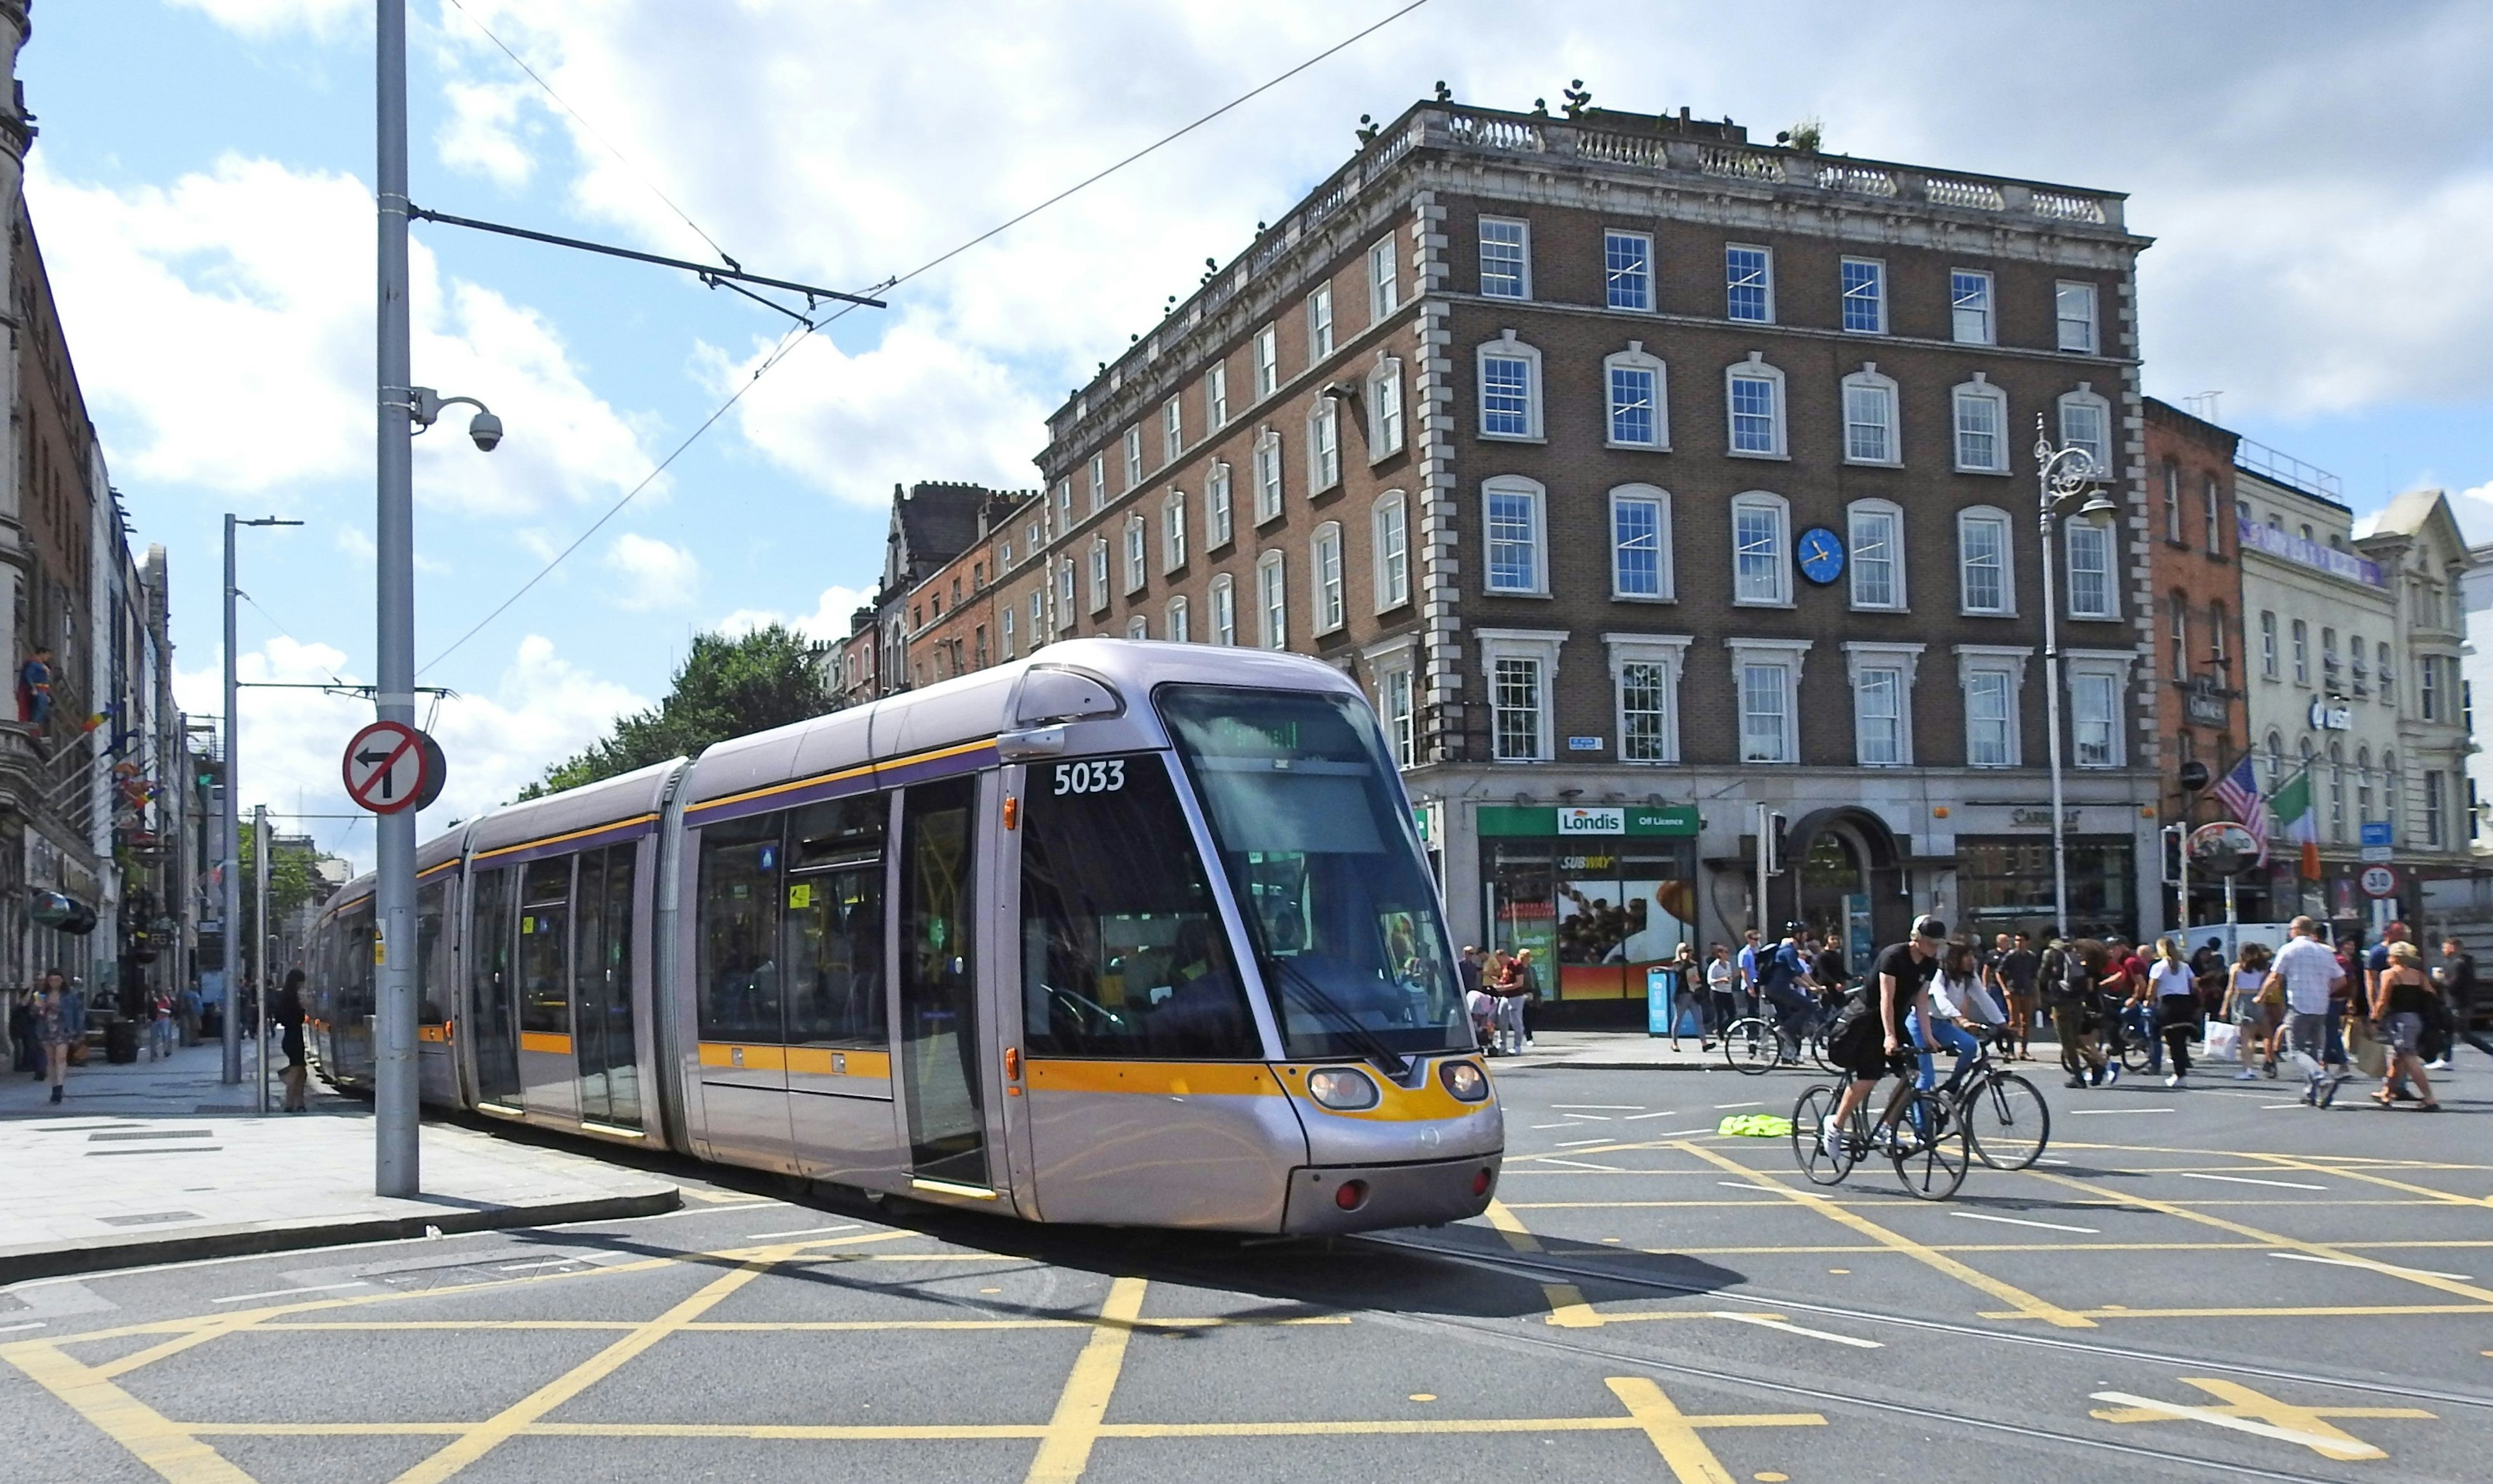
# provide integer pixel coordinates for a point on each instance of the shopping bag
(2224, 1041)
(2371, 1056)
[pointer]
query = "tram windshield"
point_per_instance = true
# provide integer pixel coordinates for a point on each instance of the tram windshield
(1342, 916)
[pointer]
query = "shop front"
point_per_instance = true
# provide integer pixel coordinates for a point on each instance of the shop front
(1597, 894)
(2004, 883)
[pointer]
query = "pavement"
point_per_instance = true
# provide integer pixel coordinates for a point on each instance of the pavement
(2195, 1284)
(192, 1172)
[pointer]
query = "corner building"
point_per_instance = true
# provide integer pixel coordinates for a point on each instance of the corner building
(1643, 476)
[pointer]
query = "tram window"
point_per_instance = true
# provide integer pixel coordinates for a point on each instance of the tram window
(1123, 950)
(545, 937)
(355, 992)
(739, 969)
(1310, 827)
(832, 923)
(431, 956)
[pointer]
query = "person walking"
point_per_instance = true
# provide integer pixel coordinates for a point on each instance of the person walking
(2309, 974)
(2455, 978)
(1687, 993)
(286, 1011)
(2398, 1007)
(1744, 994)
(1719, 977)
(2076, 1012)
(54, 1032)
(186, 1011)
(1516, 1007)
(2173, 987)
(2244, 1006)
(160, 1026)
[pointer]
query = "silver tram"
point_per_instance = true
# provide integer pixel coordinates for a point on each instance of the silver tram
(1125, 932)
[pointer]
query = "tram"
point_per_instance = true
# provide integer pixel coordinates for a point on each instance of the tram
(1125, 933)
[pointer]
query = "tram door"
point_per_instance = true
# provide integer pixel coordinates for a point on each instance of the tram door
(940, 1040)
(436, 1065)
(609, 1088)
(831, 940)
(490, 1016)
(547, 1070)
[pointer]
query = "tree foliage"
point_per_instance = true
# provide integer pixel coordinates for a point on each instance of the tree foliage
(292, 880)
(725, 688)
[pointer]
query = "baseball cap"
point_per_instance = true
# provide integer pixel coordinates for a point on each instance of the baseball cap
(1791, 927)
(1930, 928)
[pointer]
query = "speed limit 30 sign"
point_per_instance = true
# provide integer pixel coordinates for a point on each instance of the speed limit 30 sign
(387, 767)
(2379, 881)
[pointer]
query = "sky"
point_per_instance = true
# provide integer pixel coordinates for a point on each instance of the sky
(2318, 177)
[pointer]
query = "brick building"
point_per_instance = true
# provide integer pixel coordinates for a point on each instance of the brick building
(2195, 574)
(1643, 475)
(939, 561)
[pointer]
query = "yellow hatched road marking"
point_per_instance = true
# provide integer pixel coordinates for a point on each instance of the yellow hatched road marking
(163, 1446)
(1674, 1435)
(2027, 1305)
(1065, 1448)
(1567, 1306)
(2316, 1166)
(2246, 1411)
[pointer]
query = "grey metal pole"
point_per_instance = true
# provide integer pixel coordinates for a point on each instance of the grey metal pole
(230, 818)
(394, 1103)
(259, 948)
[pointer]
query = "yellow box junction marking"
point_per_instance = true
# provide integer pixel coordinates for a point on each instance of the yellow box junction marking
(1567, 1306)
(1065, 1451)
(2241, 1409)
(2028, 1306)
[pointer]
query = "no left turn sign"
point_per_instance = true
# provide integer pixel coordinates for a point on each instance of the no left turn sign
(388, 768)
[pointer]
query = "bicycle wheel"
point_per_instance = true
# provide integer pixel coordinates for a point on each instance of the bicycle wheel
(1930, 1150)
(1809, 1151)
(1750, 1047)
(2007, 1121)
(2133, 1050)
(1823, 1054)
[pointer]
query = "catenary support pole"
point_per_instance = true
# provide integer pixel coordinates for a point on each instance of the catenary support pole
(395, 1169)
(259, 950)
(229, 821)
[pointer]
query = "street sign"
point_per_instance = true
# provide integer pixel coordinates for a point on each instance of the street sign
(2379, 881)
(2222, 848)
(2376, 841)
(385, 767)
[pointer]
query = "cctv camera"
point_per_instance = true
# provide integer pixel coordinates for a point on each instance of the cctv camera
(487, 429)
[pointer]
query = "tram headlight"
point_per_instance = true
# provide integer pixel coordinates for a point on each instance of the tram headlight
(1343, 1090)
(1466, 1081)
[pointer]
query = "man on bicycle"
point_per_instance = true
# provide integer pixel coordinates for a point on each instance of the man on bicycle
(1869, 1038)
(1783, 982)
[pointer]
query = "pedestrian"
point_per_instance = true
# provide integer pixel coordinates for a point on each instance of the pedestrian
(1517, 1006)
(2398, 1008)
(2244, 1007)
(25, 1055)
(2309, 974)
(1745, 993)
(2173, 987)
(2457, 980)
(1687, 993)
(160, 1026)
(186, 1010)
(2017, 972)
(1719, 977)
(287, 1013)
(2076, 1001)
(55, 1029)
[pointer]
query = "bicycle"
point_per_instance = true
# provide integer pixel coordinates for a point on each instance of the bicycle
(1920, 1135)
(1754, 1045)
(2003, 1114)
(2121, 1039)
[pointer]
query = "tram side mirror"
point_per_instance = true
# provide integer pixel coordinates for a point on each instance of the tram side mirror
(1052, 695)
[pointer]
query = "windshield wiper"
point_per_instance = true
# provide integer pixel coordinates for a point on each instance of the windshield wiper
(1370, 1045)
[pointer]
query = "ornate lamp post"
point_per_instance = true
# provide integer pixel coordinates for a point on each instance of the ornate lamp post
(2063, 476)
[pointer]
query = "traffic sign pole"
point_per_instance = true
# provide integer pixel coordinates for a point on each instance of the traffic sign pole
(395, 1145)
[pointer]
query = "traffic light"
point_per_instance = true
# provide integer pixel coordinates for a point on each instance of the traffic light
(1773, 845)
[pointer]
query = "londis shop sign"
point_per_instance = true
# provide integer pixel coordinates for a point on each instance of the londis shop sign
(1507, 819)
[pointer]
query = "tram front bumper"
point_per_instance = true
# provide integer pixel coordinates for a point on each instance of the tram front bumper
(1381, 1196)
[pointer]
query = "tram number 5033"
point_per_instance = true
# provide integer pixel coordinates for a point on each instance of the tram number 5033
(1090, 777)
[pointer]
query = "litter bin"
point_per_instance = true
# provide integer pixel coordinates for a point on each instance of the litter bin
(121, 1040)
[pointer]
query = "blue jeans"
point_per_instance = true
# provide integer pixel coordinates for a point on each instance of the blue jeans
(1947, 1033)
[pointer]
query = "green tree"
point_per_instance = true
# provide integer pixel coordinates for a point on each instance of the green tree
(291, 879)
(725, 688)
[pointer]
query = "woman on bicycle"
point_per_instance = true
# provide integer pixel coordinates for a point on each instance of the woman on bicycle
(1958, 1000)
(1868, 1036)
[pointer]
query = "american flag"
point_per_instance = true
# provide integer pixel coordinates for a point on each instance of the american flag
(2238, 790)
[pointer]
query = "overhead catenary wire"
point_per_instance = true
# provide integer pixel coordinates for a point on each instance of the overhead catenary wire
(797, 334)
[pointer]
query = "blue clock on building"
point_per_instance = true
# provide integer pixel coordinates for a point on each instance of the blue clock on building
(1821, 554)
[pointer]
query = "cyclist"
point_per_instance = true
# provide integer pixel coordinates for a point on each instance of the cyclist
(1869, 1037)
(1783, 982)
(1958, 1000)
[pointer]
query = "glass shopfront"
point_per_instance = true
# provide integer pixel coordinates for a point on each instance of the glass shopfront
(1614, 892)
(2005, 883)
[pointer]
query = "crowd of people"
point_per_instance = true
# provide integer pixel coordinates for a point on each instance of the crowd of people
(49, 1027)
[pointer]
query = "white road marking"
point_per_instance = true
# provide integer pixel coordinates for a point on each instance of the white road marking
(1774, 1189)
(1577, 1144)
(1665, 1113)
(320, 1287)
(2047, 1226)
(2334, 1447)
(1602, 1107)
(1682, 1132)
(1770, 1321)
(2049, 1160)
(802, 1232)
(1537, 1127)
(2380, 1268)
(2082, 1113)
(1719, 1107)
(2243, 1179)
(30, 1325)
(2284, 1105)
(1576, 1163)
(521, 1268)
(1587, 1118)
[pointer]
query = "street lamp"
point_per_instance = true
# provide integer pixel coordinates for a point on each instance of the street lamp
(2061, 475)
(230, 1033)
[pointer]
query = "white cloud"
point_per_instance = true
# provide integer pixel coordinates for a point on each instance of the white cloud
(480, 134)
(540, 711)
(262, 17)
(654, 575)
(829, 622)
(921, 405)
(228, 319)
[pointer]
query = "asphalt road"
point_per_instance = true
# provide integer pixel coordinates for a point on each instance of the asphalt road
(2195, 1285)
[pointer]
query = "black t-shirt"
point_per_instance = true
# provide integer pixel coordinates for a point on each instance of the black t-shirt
(2458, 977)
(1911, 975)
(1828, 970)
(2017, 967)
